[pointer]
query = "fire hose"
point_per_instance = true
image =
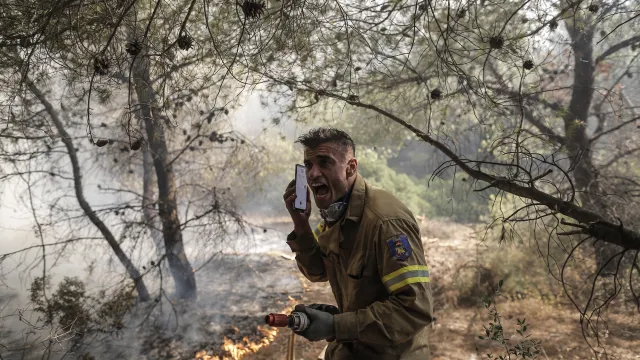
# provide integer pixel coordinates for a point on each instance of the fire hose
(296, 321)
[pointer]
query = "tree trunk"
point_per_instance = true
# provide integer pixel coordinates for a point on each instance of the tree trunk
(149, 212)
(179, 265)
(143, 293)
(577, 141)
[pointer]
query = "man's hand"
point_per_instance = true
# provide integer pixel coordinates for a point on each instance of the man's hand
(300, 219)
(321, 327)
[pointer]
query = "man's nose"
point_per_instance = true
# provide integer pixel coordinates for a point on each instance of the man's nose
(313, 173)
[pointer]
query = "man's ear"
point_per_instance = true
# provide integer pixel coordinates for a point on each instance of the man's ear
(352, 167)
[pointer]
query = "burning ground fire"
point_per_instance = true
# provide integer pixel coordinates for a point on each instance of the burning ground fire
(237, 350)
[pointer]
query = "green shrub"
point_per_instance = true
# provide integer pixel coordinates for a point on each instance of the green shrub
(452, 198)
(375, 170)
(66, 306)
(75, 311)
(523, 347)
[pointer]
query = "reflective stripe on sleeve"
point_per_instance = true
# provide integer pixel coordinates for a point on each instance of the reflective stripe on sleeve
(318, 230)
(405, 276)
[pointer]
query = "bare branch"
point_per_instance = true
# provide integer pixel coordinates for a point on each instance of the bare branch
(595, 137)
(617, 47)
(88, 211)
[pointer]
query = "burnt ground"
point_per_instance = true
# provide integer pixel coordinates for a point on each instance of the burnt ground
(234, 295)
(235, 292)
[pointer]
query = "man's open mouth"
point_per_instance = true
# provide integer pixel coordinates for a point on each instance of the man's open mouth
(320, 190)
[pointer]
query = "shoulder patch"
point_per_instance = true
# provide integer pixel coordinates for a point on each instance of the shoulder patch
(399, 247)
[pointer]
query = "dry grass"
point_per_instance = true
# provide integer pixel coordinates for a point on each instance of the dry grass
(455, 335)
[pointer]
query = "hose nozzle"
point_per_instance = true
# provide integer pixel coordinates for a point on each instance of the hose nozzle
(297, 321)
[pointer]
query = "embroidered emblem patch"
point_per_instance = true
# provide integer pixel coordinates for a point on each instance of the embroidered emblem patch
(399, 247)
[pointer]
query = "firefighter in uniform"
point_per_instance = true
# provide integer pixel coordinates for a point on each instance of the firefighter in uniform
(368, 247)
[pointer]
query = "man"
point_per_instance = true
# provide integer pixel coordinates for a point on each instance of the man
(368, 247)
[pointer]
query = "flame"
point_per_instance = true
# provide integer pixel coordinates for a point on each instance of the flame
(202, 355)
(237, 350)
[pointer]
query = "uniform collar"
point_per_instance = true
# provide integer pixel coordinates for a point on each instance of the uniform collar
(356, 201)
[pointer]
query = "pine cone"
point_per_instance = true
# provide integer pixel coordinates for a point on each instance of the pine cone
(101, 65)
(253, 9)
(136, 145)
(102, 142)
(496, 42)
(528, 65)
(185, 42)
(133, 48)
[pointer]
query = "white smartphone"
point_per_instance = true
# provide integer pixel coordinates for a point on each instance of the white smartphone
(301, 188)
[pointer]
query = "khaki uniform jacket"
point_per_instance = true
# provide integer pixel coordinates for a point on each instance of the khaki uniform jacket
(374, 260)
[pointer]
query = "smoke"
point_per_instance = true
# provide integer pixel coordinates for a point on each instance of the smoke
(238, 284)
(232, 287)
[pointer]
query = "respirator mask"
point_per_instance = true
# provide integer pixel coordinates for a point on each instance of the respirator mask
(336, 210)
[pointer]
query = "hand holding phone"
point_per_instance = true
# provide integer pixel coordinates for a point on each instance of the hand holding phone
(301, 189)
(297, 200)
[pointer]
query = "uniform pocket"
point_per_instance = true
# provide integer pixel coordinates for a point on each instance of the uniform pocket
(363, 285)
(360, 265)
(359, 270)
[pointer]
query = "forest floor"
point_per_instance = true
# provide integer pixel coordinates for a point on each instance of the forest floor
(455, 333)
(236, 291)
(454, 336)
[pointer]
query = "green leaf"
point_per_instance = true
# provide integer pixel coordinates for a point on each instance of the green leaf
(500, 283)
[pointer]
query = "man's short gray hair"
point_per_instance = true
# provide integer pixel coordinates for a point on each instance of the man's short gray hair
(318, 136)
